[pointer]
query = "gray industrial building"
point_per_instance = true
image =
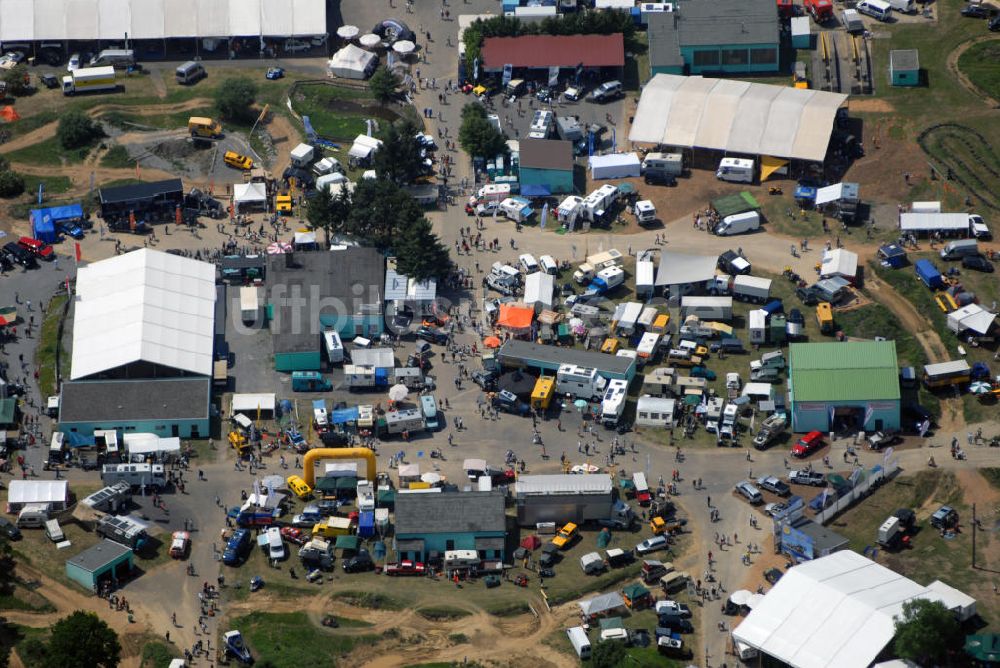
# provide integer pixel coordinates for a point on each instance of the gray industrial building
(563, 498)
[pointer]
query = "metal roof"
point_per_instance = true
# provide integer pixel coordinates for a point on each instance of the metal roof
(664, 40)
(114, 401)
(904, 59)
(556, 355)
(847, 371)
(747, 22)
(546, 154)
(542, 485)
(100, 555)
(681, 268)
(144, 306)
(134, 191)
(543, 51)
(450, 512)
(736, 116)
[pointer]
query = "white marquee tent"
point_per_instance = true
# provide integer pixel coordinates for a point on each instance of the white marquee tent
(736, 117)
(539, 288)
(972, 317)
(21, 492)
(27, 20)
(144, 306)
(141, 444)
(834, 611)
(249, 195)
(251, 403)
(839, 262)
(352, 62)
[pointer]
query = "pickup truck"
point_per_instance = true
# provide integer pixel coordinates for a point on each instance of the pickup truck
(405, 568)
(565, 537)
(806, 477)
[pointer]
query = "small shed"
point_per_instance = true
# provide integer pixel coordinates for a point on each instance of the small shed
(892, 255)
(636, 596)
(904, 67)
(105, 562)
(801, 33)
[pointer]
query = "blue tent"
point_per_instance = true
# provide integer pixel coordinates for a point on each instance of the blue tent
(43, 221)
(344, 415)
(535, 190)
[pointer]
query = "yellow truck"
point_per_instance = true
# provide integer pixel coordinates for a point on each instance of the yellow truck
(298, 486)
(824, 316)
(206, 128)
(658, 525)
(238, 161)
(565, 537)
(541, 395)
(283, 204)
(332, 527)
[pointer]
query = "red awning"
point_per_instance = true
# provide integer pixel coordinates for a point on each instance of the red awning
(544, 51)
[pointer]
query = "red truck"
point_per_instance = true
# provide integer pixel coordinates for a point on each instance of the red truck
(820, 10)
(786, 9)
(405, 568)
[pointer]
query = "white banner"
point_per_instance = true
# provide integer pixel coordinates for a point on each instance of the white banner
(508, 73)
(553, 76)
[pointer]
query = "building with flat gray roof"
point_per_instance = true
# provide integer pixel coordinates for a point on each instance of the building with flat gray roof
(722, 36)
(107, 561)
(437, 523)
(516, 354)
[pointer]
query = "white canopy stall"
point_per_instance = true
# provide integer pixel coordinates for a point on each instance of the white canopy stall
(352, 62)
(140, 446)
(249, 196)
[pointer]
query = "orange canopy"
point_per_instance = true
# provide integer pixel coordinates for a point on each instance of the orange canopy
(9, 114)
(515, 316)
(491, 342)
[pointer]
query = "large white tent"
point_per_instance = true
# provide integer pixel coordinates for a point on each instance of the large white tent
(27, 20)
(139, 445)
(539, 288)
(21, 492)
(144, 306)
(353, 62)
(736, 117)
(834, 611)
(249, 195)
(971, 317)
(839, 262)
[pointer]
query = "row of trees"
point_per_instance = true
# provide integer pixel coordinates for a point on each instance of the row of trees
(578, 23)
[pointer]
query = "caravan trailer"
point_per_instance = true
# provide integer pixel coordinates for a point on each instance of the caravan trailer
(613, 403)
(736, 170)
(596, 204)
(136, 475)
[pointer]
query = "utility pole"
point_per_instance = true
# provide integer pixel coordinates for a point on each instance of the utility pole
(973, 535)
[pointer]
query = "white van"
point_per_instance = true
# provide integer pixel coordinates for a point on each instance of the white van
(664, 163)
(748, 221)
(645, 212)
(878, 9)
(54, 532)
(190, 72)
(736, 170)
(117, 58)
(528, 263)
(275, 546)
(548, 265)
(579, 640)
(493, 192)
(904, 6)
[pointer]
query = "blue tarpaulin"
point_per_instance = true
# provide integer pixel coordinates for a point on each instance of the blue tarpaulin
(344, 415)
(535, 190)
(43, 221)
(75, 440)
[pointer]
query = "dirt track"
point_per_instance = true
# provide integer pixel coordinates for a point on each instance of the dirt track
(964, 80)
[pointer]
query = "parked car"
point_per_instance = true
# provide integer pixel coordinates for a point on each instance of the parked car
(975, 11)
(405, 567)
(71, 230)
(49, 80)
(432, 335)
(978, 263)
(607, 91)
(487, 380)
(17, 255)
(672, 608)
(296, 45)
(994, 24)
(274, 73)
(9, 529)
(566, 536)
(360, 562)
(808, 444)
(73, 63)
(237, 548)
(38, 248)
(237, 160)
(944, 518)
(775, 509)
(751, 493)
(293, 535)
(180, 544)
(807, 295)
(774, 484)
(652, 545)
(659, 178)
(676, 623)
(807, 477)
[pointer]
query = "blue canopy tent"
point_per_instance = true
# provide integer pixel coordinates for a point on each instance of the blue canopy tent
(43, 221)
(343, 415)
(535, 190)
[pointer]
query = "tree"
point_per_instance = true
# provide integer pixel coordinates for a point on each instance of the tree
(398, 159)
(609, 654)
(926, 632)
(384, 85)
(380, 209)
(234, 100)
(77, 130)
(82, 640)
(18, 81)
(11, 184)
(318, 212)
(420, 254)
(478, 137)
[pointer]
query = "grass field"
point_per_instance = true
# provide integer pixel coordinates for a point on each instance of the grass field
(291, 640)
(116, 157)
(50, 152)
(979, 63)
(335, 112)
(48, 342)
(54, 185)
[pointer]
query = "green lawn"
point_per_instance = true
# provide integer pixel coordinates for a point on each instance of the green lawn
(156, 654)
(116, 157)
(979, 63)
(49, 152)
(48, 341)
(335, 112)
(291, 640)
(54, 185)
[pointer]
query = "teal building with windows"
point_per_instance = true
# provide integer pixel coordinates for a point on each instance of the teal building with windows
(718, 37)
(432, 524)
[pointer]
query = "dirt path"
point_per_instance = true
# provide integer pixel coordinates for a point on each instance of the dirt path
(285, 137)
(909, 317)
(952, 63)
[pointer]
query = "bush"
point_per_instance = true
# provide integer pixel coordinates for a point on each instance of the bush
(11, 184)
(234, 100)
(18, 81)
(77, 130)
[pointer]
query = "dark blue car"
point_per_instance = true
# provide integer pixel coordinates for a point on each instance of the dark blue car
(71, 230)
(237, 548)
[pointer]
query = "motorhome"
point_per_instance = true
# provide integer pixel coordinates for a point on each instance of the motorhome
(645, 212)
(541, 124)
(569, 128)
(613, 403)
(569, 209)
(136, 475)
(594, 263)
(597, 203)
(625, 318)
(648, 345)
(517, 209)
(404, 420)
(33, 516)
(581, 382)
(736, 170)
(664, 163)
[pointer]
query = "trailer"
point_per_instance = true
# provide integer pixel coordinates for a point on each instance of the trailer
(136, 475)
(946, 374)
(645, 272)
(751, 288)
(334, 347)
(613, 403)
(655, 412)
(249, 303)
(708, 308)
(405, 420)
(929, 274)
(947, 224)
(625, 318)
(648, 345)
(122, 530)
(365, 377)
(758, 326)
(596, 204)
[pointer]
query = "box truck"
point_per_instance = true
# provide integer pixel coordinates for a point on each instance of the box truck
(929, 274)
(517, 209)
(249, 304)
(645, 212)
(751, 288)
(606, 280)
(302, 155)
(595, 263)
(90, 79)
(579, 381)
(736, 170)
(739, 223)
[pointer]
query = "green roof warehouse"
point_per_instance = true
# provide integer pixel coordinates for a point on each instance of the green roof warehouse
(844, 386)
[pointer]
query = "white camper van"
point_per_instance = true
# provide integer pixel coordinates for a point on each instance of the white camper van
(736, 170)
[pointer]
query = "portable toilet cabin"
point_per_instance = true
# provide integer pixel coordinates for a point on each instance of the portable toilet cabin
(801, 33)
(904, 67)
(758, 326)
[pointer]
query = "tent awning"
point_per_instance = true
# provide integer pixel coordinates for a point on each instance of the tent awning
(251, 403)
(769, 165)
(515, 316)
